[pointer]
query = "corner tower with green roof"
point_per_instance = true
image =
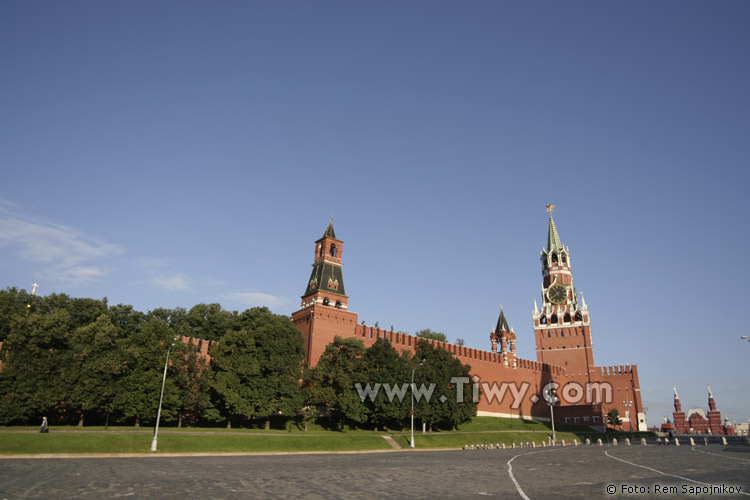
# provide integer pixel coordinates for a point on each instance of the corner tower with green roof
(326, 284)
(324, 310)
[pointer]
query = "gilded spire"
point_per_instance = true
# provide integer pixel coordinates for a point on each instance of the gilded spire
(553, 239)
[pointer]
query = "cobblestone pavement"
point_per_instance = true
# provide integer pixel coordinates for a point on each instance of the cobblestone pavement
(571, 472)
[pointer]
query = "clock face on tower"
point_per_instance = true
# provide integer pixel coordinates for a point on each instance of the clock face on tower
(557, 294)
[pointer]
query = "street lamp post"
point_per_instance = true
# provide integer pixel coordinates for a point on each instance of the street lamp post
(549, 393)
(627, 404)
(161, 396)
(411, 444)
(552, 418)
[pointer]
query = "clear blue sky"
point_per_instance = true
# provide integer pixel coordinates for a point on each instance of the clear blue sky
(164, 154)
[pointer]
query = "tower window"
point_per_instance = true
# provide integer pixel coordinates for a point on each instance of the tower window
(579, 316)
(338, 304)
(566, 318)
(564, 258)
(554, 258)
(320, 250)
(543, 320)
(326, 302)
(553, 320)
(333, 250)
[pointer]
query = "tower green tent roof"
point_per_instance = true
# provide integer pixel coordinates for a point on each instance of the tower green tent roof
(330, 233)
(502, 323)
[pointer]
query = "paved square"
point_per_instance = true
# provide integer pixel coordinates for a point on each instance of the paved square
(570, 472)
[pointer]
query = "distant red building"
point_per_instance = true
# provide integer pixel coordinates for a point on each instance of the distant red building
(698, 422)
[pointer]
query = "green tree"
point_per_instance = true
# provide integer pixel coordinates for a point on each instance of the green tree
(450, 379)
(385, 366)
(613, 417)
(280, 353)
(145, 353)
(177, 319)
(236, 376)
(95, 367)
(34, 357)
(126, 320)
(210, 321)
(190, 374)
(430, 335)
(331, 383)
(13, 302)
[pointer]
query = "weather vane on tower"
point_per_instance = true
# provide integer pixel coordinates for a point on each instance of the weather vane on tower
(550, 207)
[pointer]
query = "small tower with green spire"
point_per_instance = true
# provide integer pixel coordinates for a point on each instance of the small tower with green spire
(506, 337)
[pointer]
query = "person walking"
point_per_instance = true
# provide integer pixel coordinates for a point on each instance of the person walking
(43, 429)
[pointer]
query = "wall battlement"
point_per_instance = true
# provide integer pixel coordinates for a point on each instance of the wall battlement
(618, 370)
(564, 346)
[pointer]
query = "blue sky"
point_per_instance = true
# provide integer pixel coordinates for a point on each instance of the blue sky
(164, 154)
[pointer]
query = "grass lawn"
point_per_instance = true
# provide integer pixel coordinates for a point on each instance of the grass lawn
(171, 442)
(120, 439)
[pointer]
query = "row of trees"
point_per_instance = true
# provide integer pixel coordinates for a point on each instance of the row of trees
(78, 360)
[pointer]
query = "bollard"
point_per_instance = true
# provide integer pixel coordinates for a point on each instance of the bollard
(588, 442)
(705, 440)
(503, 445)
(543, 444)
(599, 441)
(533, 444)
(563, 442)
(514, 445)
(723, 440)
(627, 441)
(614, 441)
(643, 441)
(692, 441)
(676, 442)
(575, 442)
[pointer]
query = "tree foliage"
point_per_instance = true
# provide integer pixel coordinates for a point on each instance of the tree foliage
(451, 402)
(331, 383)
(431, 335)
(82, 360)
(613, 417)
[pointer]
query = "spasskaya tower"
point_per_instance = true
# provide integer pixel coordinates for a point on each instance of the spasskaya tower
(562, 327)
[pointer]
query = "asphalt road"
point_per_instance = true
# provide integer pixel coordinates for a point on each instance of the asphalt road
(570, 472)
